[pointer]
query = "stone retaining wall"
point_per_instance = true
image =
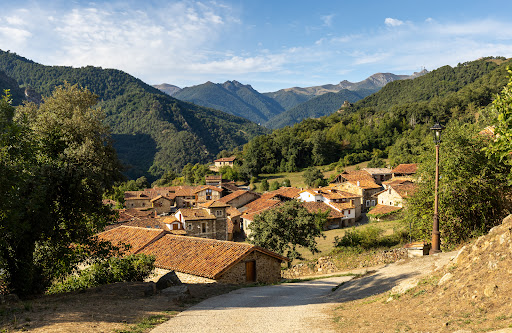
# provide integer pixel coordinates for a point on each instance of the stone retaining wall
(326, 265)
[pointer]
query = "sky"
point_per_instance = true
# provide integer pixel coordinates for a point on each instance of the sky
(269, 44)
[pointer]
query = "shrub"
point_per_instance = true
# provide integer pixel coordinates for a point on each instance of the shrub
(368, 238)
(131, 268)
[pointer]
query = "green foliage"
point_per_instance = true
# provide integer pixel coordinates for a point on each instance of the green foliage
(264, 186)
(275, 185)
(57, 161)
(369, 237)
(286, 183)
(284, 228)
(473, 191)
(167, 179)
(135, 267)
(313, 177)
(501, 147)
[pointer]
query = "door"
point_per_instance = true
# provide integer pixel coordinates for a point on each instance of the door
(250, 271)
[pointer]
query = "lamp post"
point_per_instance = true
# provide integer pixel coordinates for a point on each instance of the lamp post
(436, 243)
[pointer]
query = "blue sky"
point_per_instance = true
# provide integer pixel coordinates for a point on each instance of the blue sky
(270, 45)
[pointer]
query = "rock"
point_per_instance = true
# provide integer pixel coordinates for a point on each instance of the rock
(168, 280)
(9, 298)
(176, 293)
(490, 290)
(150, 289)
(445, 278)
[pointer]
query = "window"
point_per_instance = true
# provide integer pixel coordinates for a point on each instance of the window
(204, 227)
(189, 226)
(373, 202)
(367, 203)
(218, 213)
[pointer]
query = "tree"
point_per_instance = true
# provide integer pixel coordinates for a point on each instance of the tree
(313, 177)
(264, 186)
(286, 182)
(286, 227)
(473, 192)
(274, 185)
(501, 147)
(57, 160)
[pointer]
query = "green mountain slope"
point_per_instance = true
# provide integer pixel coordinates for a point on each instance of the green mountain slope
(391, 122)
(153, 132)
(8, 83)
(232, 97)
(316, 107)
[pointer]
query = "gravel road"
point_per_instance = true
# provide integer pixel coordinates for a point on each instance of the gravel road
(289, 307)
(295, 307)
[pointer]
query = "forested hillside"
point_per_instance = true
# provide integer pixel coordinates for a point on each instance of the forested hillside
(153, 132)
(234, 98)
(393, 121)
(314, 108)
(8, 83)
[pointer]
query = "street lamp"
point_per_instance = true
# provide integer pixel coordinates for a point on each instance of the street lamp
(436, 130)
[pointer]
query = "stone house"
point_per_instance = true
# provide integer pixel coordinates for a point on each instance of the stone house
(395, 194)
(335, 217)
(209, 221)
(200, 260)
(239, 198)
(224, 161)
(348, 204)
(234, 221)
(148, 200)
(379, 175)
(361, 183)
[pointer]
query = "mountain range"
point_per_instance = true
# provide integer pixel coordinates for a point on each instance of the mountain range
(284, 107)
(152, 131)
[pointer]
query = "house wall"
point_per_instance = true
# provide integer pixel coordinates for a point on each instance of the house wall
(162, 206)
(390, 198)
(268, 270)
(137, 203)
(215, 229)
(201, 196)
(243, 200)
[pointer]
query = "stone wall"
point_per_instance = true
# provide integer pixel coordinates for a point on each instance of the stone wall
(268, 269)
(185, 278)
(326, 265)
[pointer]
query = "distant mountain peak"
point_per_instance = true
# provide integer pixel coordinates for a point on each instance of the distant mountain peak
(167, 88)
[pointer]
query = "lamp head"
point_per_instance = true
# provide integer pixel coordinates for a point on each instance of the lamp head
(436, 130)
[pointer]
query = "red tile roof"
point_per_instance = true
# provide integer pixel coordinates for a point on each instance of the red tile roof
(287, 192)
(406, 169)
(235, 195)
(226, 159)
(341, 205)
(191, 214)
(200, 256)
(315, 207)
(405, 189)
(134, 236)
(383, 209)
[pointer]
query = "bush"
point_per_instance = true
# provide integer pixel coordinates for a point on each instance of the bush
(131, 268)
(369, 238)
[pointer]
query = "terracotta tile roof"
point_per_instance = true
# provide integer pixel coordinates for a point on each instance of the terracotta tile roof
(213, 204)
(233, 212)
(406, 169)
(314, 207)
(365, 184)
(205, 187)
(383, 209)
(136, 237)
(200, 256)
(234, 195)
(260, 204)
(192, 214)
(405, 189)
(341, 205)
(488, 131)
(287, 192)
(356, 175)
(226, 159)
(130, 213)
(332, 193)
(213, 177)
(378, 171)
(159, 197)
(398, 180)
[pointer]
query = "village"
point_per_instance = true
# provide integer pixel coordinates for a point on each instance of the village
(199, 232)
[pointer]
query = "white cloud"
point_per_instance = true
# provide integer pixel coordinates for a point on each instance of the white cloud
(327, 19)
(393, 22)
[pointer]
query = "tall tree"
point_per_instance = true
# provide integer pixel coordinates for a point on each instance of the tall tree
(286, 227)
(57, 160)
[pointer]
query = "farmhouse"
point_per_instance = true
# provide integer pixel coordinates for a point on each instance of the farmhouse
(200, 260)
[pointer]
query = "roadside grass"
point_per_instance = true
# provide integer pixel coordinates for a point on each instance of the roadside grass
(148, 323)
(326, 245)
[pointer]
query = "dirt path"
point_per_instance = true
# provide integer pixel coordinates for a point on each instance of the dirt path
(295, 307)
